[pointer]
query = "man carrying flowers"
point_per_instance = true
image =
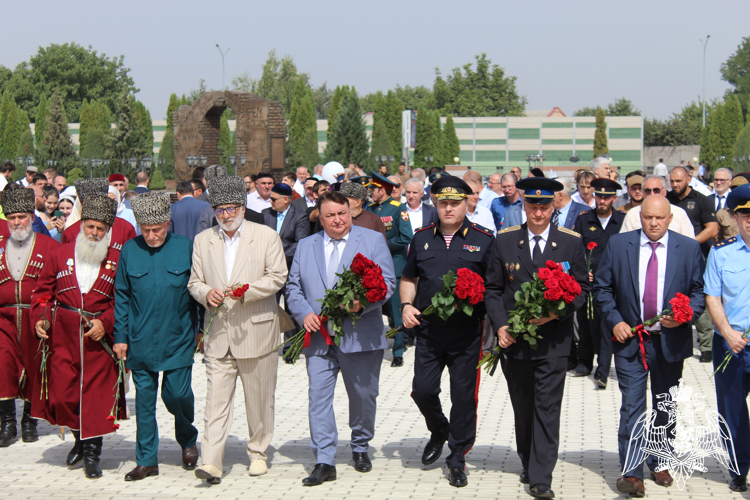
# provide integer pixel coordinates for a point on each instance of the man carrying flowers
(154, 330)
(640, 275)
(535, 372)
(355, 348)
(454, 244)
(23, 255)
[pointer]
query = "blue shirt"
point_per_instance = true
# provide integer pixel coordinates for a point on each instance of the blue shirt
(728, 276)
(486, 197)
(498, 208)
(564, 214)
(280, 219)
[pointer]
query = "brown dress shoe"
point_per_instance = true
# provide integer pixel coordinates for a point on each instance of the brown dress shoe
(189, 457)
(662, 478)
(142, 472)
(631, 485)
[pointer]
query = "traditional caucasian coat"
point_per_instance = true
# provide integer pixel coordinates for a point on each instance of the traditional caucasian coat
(82, 374)
(19, 359)
(122, 231)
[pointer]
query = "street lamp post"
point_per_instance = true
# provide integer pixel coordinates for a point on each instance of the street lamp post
(223, 86)
(146, 164)
(233, 162)
(204, 160)
(704, 78)
(133, 163)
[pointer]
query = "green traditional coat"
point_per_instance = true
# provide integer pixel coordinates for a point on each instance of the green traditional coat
(398, 231)
(154, 312)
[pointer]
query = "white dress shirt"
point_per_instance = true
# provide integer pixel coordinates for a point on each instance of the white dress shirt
(415, 216)
(542, 243)
(722, 198)
(644, 256)
(680, 221)
(299, 187)
(483, 217)
(328, 246)
(231, 245)
(255, 202)
(700, 187)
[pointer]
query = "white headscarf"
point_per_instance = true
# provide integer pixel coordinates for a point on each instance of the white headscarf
(118, 199)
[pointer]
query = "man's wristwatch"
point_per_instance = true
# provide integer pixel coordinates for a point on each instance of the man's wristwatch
(404, 304)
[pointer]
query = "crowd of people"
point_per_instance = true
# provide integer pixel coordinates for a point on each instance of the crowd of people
(96, 279)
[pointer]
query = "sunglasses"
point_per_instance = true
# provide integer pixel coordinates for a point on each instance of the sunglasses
(655, 191)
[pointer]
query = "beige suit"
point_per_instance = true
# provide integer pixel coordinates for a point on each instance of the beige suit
(242, 336)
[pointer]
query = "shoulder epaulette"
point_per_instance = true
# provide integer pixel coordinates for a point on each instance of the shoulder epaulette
(568, 231)
(584, 212)
(726, 242)
(423, 228)
(509, 229)
(372, 204)
(483, 229)
(396, 203)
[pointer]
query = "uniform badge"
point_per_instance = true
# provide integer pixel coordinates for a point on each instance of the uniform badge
(565, 266)
(471, 248)
(691, 205)
(554, 244)
(386, 219)
(70, 264)
(426, 245)
(510, 278)
(518, 266)
(405, 216)
(1, 251)
(520, 242)
(506, 266)
(592, 228)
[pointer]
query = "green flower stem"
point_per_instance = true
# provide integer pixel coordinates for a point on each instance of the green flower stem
(725, 362)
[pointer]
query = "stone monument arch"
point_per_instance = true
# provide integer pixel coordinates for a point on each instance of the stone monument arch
(260, 132)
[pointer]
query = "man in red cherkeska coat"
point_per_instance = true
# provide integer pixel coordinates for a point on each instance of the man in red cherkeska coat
(84, 393)
(22, 257)
(122, 231)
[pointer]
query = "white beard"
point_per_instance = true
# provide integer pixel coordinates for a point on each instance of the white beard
(231, 224)
(20, 235)
(91, 252)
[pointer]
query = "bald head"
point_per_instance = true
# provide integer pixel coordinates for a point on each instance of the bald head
(474, 176)
(656, 215)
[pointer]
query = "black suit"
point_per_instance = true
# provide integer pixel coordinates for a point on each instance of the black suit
(429, 215)
(295, 226)
(536, 378)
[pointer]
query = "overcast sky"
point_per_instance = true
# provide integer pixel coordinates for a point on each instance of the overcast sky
(568, 54)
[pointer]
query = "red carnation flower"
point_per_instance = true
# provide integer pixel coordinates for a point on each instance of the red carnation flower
(591, 245)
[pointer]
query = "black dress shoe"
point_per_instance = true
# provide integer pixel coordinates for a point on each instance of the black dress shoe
(600, 382)
(142, 472)
(76, 453)
(361, 462)
(457, 477)
(29, 433)
(581, 371)
(320, 474)
(541, 490)
(524, 477)
(397, 361)
(706, 357)
(92, 450)
(434, 449)
(189, 457)
(8, 431)
(738, 483)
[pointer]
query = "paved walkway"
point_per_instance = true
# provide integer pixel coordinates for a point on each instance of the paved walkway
(587, 468)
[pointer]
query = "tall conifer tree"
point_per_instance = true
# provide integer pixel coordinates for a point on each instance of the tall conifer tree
(600, 136)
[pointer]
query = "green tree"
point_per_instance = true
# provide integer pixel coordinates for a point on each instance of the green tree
(734, 122)
(145, 128)
(26, 140)
(485, 91)
(126, 139)
(623, 107)
(225, 139)
(682, 129)
(347, 142)
(392, 109)
(12, 132)
(5, 108)
(74, 175)
(322, 96)
(166, 150)
(736, 72)
(157, 181)
(381, 143)
(338, 97)
(76, 72)
(41, 120)
(437, 156)
(425, 138)
(711, 149)
(412, 97)
(600, 136)
(56, 143)
(742, 144)
(586, 111)
(451, 145)
(278, 81)
(303, 129)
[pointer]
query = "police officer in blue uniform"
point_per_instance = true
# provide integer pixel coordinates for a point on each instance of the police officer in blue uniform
(596, 226)
(536, 377)
(454, 243)
(727, 289)
(398, 234)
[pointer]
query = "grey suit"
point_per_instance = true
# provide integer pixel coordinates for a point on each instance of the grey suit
(360, 354)
(186, 215)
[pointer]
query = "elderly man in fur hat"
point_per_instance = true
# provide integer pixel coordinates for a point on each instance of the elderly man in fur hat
(23, 254)
(154, 330)
(237, 269)
(120, 231)
(79, 279)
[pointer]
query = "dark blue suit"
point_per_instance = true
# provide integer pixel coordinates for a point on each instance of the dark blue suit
(617, 293)
(575, 210)
(429, 215)
(38, 226)
(186, 214)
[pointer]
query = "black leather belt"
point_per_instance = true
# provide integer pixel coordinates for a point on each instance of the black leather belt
(80, 311)
(17, 306)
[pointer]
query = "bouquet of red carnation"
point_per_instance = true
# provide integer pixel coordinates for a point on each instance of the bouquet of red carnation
(44, 348)
(460, 291)
(236, 291)
(681, 312)
(120, 377)
(362, 282)
(551, 290)
(590, 306)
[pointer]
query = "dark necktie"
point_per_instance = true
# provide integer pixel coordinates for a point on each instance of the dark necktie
(556, 218)
(536, 254)
(720, 203)
(652, 285)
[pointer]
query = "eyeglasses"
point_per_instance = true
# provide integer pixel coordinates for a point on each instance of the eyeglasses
(649, 191)
(230, 211)
(720, 180)
(274, 199)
